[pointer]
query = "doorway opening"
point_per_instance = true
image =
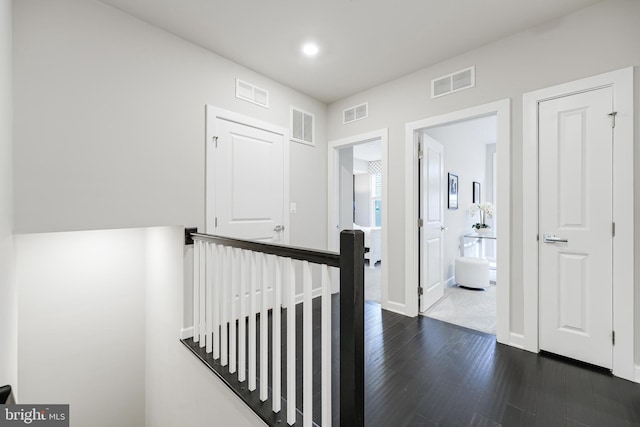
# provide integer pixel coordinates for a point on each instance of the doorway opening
(463, 289)
(357, 200)
(500, 194)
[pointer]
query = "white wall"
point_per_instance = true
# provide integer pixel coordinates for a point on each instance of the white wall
(99, 320)
(109, 124)
(594, 40)
(359, 165)
(346, 188)
(81, 324)
(8, 290)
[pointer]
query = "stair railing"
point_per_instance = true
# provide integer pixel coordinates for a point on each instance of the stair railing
(242, 289)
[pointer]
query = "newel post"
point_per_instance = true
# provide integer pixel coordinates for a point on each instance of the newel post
(352, 328)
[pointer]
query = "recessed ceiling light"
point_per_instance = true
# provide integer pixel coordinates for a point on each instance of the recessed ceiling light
(310, 49)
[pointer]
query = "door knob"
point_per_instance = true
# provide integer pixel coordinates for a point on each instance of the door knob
(552, 238)
(444, 228)
(279, 228)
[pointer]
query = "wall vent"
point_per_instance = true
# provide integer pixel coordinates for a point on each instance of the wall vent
(252, 93)
(358, 112)
(454, 82)
(302, 126)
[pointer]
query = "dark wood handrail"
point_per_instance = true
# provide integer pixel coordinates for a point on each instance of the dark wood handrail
(5, 393)
(331, 259)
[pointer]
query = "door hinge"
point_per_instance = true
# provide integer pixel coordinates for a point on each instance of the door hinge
(420, 222)
(613, 229)
(216, 222)
(613, 118)
(613, 337)
(420, 154)
(214, 139)
(420, 291)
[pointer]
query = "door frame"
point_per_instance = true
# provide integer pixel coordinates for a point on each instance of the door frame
(502, 109)
(333, 204)
(211, 114)
(623, 212)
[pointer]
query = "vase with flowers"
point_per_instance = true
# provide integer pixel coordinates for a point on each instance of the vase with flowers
(485, 210)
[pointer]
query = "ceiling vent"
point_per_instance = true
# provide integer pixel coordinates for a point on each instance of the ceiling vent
(358, 112)
(460, 80)
(301, 126)
(252, 93)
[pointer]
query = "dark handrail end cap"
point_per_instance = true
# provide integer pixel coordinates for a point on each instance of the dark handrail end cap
(188, 240)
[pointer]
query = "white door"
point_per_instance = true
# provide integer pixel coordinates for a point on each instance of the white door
(245, 179)
(575, 243)
(432, 185)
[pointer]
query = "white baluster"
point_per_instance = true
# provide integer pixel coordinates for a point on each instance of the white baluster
(291, 342)
(307, 346)
(235, 269)
(242, 321)
(217, 281)
(203, 296)
(252, 321)
(224, 319)
(209, 272)
(326, 347)
(264, 331)
(276, 337)
(196, 291)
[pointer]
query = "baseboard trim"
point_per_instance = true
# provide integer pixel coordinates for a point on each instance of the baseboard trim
(186, 333)
(395, 307)
(451, 281)
(516, 340)
(637, 379)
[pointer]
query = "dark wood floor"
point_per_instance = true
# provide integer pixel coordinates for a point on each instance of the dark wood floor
(424, 372)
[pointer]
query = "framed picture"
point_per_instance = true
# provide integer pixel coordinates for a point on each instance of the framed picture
(476, 192)
(453, 191)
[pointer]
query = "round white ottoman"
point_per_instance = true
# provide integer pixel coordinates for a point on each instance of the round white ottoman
(472, 272)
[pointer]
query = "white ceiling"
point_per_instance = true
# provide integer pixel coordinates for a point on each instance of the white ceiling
(363, 43)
